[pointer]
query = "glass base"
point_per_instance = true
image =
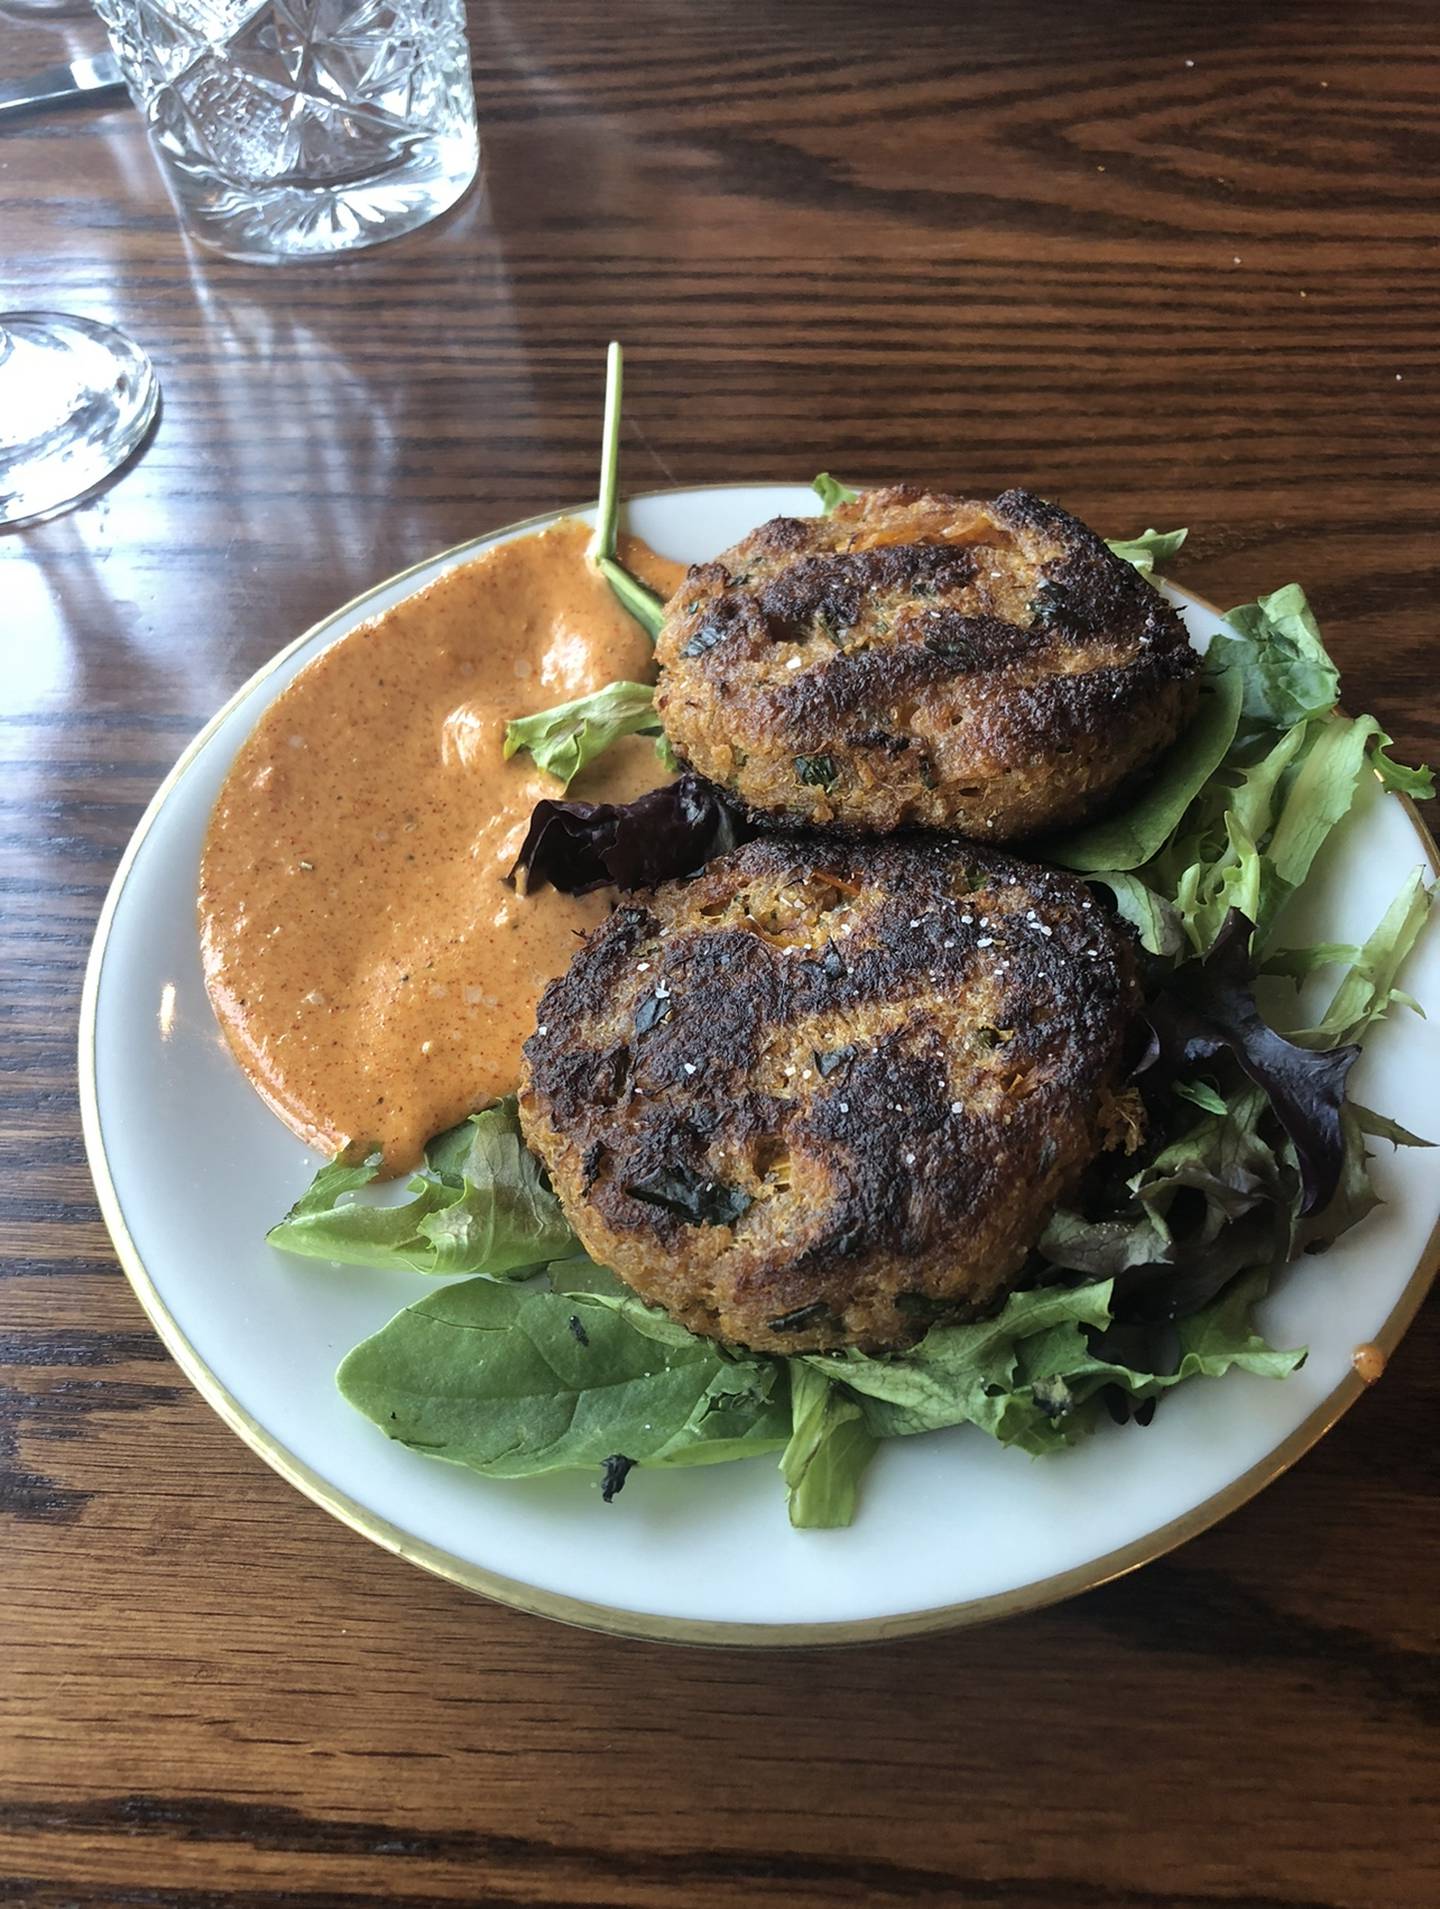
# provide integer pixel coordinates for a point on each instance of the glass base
(76, 398)
(268, 225)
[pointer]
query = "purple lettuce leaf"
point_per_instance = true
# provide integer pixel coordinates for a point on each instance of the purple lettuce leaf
(667, 833)
(1207, 1008)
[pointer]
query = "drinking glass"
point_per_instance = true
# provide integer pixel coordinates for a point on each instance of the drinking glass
(76, 398)
(292, 128)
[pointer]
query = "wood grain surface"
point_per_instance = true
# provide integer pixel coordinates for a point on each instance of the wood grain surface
(1171, 263)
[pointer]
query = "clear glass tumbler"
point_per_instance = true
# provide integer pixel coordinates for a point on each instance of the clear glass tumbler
(294, 128)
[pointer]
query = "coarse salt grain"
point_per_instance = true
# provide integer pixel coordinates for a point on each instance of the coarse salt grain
(986, 941)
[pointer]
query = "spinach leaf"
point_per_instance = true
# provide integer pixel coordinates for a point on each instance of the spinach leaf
(638, 598)
(691, 1196)
(817, 770)
(483, 1206)
(1128, 839)
(565, 739)
(832, 493)
(830, 1446)
(493, 1377)
(1148, 549)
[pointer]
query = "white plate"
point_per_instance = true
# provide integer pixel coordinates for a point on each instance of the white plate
(191, 1168)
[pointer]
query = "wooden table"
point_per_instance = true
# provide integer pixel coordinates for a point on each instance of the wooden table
(1174, 264)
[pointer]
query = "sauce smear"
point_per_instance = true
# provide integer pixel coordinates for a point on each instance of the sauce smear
(372, 971)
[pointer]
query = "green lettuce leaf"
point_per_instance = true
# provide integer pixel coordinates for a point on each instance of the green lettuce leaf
(1367, 990)
(483, 1205)
(832, 493)
(1155, 920)
(1149, 548)
(969, 1374)
(335, 1180)
(565, 739)
(830, 1446)
(1283, 663)
(512, 1381)
(1418, 784)
(1139, 831)
(1320, 795)
(1033, 1375)
(1200, 1094)
(1169, 1253)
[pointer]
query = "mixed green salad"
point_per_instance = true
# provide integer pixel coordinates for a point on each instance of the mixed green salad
(529, 1358)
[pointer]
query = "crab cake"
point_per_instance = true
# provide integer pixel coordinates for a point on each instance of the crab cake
(828, 1091)
(915, 658)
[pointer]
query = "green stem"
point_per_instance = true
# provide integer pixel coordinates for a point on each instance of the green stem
(647, 609)
(643, 604)
(602, 544)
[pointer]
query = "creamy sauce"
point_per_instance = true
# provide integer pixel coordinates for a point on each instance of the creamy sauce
(372, 971)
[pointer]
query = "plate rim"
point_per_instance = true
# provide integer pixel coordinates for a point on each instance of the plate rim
(561, 1607)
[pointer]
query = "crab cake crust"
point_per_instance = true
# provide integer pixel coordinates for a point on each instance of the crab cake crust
(915, 658)
(828, 1091)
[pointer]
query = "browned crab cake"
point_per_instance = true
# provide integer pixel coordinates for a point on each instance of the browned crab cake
(918, 659)
(829, 1091)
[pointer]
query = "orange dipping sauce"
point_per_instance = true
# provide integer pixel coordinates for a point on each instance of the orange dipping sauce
(372, 971)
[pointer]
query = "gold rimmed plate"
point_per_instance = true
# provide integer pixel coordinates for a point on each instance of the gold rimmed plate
(191, 1168)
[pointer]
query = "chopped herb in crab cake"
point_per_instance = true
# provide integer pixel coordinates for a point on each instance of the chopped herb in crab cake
(917, 658)
(826, 1092)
